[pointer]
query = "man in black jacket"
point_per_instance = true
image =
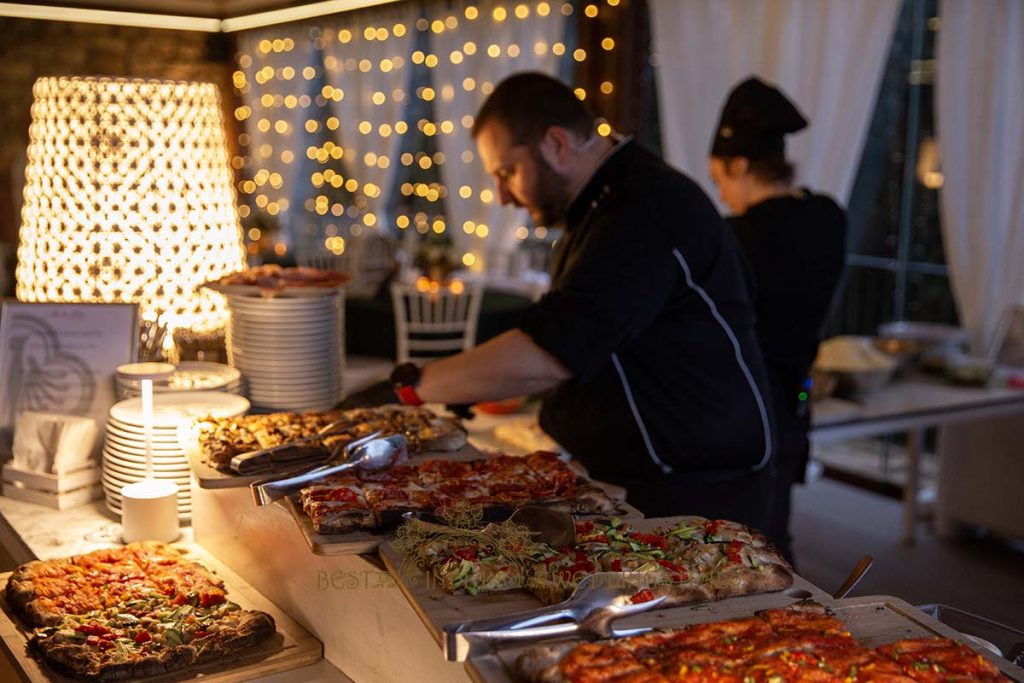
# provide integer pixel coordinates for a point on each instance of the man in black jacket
(645, 344)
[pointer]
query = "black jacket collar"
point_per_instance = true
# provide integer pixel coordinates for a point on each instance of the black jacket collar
(598, 187)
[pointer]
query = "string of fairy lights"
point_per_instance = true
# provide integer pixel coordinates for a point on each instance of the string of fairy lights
(285, 93)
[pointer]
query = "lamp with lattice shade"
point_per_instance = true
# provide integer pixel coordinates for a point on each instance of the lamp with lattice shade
(129, 198)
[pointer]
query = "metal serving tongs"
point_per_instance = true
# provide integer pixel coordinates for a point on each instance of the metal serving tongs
(598, 600)
(369, 453)
(258, 460)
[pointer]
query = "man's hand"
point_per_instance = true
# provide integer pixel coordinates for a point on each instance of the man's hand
(509, 365)
(372, 396)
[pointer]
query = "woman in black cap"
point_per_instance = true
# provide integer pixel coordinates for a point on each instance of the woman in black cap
(795, 243)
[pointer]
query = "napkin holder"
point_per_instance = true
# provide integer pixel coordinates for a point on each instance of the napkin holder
(52, 462)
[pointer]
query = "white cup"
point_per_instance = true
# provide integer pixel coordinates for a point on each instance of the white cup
(149, 511)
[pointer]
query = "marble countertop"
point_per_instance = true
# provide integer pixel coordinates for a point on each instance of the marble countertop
(34, 532)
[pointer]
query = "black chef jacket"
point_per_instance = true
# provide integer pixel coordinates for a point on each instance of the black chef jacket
(649, 310)
(795, 247)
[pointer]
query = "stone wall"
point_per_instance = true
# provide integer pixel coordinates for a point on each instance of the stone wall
(30, 49)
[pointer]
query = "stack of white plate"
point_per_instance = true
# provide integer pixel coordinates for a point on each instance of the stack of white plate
(189, 375)
(124, 449)
(291, 351)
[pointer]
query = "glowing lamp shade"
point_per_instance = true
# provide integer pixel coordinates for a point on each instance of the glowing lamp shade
(129, 198)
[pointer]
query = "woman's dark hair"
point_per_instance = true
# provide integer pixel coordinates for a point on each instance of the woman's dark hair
(770, 169)
(529, 103)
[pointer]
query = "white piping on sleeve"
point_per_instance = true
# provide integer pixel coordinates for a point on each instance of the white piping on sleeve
(667, 469)
(739, 358)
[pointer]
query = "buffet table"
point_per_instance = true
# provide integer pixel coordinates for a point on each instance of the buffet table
(376, 624)
(911, 405)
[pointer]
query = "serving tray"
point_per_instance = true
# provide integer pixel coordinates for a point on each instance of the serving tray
(873, 621)
(437, 607)
(290, 648)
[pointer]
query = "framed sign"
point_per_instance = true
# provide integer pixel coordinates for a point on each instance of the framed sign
(61, 358)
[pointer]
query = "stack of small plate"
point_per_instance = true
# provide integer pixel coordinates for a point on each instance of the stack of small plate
(291, 351)
(124, 450)
(188, 375)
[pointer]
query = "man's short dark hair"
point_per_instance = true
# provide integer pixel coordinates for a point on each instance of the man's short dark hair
(529, 103)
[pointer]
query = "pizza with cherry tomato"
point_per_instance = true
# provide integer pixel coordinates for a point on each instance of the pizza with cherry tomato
(694, 560)
(803, 642)
(132, 612)
(375, 500)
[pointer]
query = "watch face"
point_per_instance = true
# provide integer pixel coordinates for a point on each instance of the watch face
(405, 374)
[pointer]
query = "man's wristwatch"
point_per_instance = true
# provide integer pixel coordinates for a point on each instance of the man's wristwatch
(404, 379)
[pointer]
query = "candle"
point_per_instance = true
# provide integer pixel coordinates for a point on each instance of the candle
(147, 423)
(149, 511)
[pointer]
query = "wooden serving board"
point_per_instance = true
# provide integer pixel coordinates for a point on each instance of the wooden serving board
(290, 648)
(437, 607)
(360, 542)
(873, 621)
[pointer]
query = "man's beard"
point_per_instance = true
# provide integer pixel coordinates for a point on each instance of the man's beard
(551, 193)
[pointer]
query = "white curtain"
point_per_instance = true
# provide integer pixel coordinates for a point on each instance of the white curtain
(369, 61)
(276, 98)
(827, 55)
(980, 114)
(523, 43)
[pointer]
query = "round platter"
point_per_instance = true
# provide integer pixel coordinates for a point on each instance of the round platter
(293, 406)
(138, 455)
(118, 468)
(255, 292)
(170, 410)
(129, 432)
(324, 307)
(134, 443)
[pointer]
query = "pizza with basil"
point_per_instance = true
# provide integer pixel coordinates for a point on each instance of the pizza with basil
(694, 560)
(132, 612)
(801, 643)
(375, 500)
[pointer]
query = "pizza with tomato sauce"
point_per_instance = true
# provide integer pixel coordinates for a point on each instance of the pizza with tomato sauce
(696, 560)
(799, 643)
(375, 500)
(131, 612)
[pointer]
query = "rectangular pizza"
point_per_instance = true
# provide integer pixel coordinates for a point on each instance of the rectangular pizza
(133, 612)
(376, 500)
(804, 642)
(695, 560)
(221, 439)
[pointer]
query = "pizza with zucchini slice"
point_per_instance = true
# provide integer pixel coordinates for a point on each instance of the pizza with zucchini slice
(693, 560)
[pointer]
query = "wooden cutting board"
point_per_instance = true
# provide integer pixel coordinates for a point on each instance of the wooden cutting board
(360, 542)
(290, 648)
(873, 621)
(437, 607)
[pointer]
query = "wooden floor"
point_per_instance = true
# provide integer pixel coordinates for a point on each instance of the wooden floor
(835, 524)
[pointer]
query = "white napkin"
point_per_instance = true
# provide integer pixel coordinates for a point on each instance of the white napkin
(46, 442)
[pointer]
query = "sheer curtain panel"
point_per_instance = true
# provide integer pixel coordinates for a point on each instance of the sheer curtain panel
(367, 61)
(827, 55)
(980, 116)
(474, 55)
